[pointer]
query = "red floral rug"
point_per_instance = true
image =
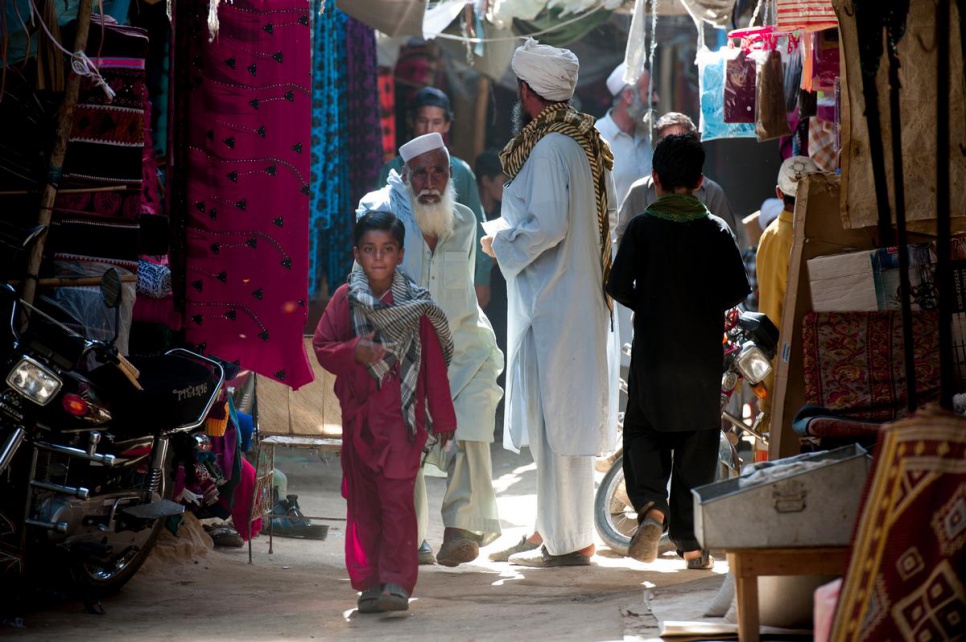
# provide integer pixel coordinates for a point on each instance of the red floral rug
(855, 364)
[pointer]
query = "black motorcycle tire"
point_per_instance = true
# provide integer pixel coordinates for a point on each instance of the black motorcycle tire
(106, 583)
(614, 523)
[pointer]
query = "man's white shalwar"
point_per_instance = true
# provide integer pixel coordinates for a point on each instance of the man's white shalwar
(447, 272)
(557, 395)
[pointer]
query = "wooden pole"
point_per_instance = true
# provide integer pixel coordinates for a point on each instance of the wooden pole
(64, 123)
(479, 116)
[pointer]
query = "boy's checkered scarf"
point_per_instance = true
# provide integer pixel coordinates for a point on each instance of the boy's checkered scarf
(397, 328)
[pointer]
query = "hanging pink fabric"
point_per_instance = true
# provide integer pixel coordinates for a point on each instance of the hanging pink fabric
(247, 195)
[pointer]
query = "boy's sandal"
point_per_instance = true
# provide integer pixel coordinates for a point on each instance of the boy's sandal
(393, 598)
(702, 563)
(644, 543)
(369, 600)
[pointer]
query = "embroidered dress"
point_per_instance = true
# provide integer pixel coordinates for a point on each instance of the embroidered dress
(241, 182)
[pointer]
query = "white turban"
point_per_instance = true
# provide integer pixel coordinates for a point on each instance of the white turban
(550, 72)
(615, 81)
(421, 145)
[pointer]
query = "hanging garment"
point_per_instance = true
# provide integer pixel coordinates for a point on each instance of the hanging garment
(241, 172)
(330, 241)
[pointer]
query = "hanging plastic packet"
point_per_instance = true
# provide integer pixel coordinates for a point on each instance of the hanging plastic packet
(711, 79)
(793, 76)
(739, 89)
(771, 117)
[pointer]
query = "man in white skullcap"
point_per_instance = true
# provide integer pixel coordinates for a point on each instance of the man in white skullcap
(623, 129)
(441, 247)
(774, 251)
(554, 249)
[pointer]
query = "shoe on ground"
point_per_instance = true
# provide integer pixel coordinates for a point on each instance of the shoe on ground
(393, 598)
(426, 557)
(541, 558)
(644, 542)
(224, 535)
(459, 547)
(369, 599)
(522, 546)
(288, 521)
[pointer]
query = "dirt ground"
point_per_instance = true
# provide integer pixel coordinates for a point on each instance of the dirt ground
(190, 590)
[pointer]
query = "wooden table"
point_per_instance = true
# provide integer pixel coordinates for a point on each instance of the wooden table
(750, 563)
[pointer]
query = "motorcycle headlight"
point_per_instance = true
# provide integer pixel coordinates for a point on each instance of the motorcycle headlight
(753, 363)
(34, 381)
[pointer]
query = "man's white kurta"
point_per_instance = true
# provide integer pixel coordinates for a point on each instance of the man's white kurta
(550, 256)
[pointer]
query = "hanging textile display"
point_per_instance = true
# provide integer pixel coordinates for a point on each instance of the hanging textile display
(241, 175)
(808, 15)
(387, 113)
(905, 575)
(363, 110)
(330, 237)
(917, 76)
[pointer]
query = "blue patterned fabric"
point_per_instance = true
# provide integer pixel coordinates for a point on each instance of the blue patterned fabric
(331, 217)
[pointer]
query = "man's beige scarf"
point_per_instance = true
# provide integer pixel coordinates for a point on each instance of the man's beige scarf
(564, 119)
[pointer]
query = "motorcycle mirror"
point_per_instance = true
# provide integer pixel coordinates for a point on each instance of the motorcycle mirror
(111, 288)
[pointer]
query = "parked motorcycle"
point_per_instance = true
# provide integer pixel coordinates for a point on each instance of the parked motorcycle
(750, 342)
(85, 447)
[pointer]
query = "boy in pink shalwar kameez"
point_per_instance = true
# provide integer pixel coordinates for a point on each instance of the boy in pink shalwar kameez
(388, 345)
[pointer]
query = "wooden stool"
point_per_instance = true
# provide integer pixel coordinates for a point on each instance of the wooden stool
(749, 563)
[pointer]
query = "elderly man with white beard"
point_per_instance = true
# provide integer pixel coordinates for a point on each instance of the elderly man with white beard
(440, 256)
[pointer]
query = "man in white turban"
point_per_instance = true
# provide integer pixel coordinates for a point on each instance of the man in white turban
(441, 245)
(554, 249)
(623, 129)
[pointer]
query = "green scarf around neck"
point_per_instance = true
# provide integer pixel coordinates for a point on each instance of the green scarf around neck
(677, 208)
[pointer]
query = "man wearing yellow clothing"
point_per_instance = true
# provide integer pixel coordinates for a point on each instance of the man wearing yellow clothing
(774, 250)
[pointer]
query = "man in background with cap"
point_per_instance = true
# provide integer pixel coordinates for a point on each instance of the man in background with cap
(774, 251)
(440, 250)
(623, 129)
(642, 192)
(429, 112)
(554, 250)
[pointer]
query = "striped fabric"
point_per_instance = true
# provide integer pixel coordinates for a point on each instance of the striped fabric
(809, 15)
(397, 328)
(564, 119)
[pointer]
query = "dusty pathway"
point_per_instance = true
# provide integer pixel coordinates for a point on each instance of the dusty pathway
(301, 591)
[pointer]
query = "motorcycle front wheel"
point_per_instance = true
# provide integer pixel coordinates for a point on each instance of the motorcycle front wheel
(106, 574)
(614, 516)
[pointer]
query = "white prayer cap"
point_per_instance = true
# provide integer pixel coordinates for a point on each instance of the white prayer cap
(794, 169)
(421, 145)
(770, 209)
(550, 71)
(615, 81)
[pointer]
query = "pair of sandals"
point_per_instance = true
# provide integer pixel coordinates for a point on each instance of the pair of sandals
(383, 598)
